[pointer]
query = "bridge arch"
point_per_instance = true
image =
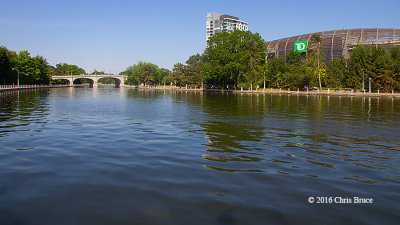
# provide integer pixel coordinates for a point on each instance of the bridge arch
(117, 81)
(93, 79)
(67, 79)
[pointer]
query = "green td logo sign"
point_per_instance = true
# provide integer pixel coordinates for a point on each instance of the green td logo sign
(300, 46)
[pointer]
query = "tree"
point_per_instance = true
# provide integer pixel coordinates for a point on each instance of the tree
(97, 72)
(315, 56)
(233, 57)
(6, 73)
(395, 63)
(42, 70)
(149, 73)
(336, 73)
(382, 70)
(395, 60)
(193, 70)
(178, 74)
(133, 75)
(142, 73)
(359, 63)
(294, 58)
(297, 74)
(276, 67)
(66, 69)
(254, 48)
(217, 56)
(164, 74)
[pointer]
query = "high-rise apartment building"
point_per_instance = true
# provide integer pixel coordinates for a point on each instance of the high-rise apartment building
(217, 23)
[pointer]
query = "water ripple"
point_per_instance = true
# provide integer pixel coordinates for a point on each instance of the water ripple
(127, 156)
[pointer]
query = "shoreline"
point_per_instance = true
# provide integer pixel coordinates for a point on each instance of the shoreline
(279, 92)
(32, 87)
(261, 91)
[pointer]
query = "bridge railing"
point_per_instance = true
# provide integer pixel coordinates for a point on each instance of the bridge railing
(90, 75)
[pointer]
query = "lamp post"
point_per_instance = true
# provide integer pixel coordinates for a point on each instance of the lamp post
(370, 85)
(363, 80)
(72, 78)
(18, 75)
(264, 80)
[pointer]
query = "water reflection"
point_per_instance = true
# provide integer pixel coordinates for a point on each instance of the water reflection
(22, 109)
(300, 135)
(181, 157)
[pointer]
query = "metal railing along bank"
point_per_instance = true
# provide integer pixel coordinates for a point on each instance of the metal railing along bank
(31, 86)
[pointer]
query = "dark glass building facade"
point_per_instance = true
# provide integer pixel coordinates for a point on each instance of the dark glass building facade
(339, 43)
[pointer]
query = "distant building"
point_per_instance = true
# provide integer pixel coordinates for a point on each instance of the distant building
(338, 43)
(217, 23)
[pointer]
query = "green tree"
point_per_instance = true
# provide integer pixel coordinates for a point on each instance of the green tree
(336, 73)
(233, 57)
(382, 70)
(164, 74)
(275, 70)
(142, 73)
(95, 72)
(133, 74)
(359, 63)
(42, 70)
(315, 57)
(66, 69)
(177, 75)
(254, 57)
(6, 74)
(297, 75)
(24, 63)
(294, 58)
(193, 70)
(395, 61)
(217, 57)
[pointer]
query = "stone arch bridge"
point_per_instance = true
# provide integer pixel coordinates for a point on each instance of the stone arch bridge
(93, 79)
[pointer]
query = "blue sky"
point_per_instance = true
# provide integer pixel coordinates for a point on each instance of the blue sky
(112, 35)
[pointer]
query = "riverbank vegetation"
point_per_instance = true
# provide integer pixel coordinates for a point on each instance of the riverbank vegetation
(32, 70)
(235, 60)
(238, 60)
(144, 73)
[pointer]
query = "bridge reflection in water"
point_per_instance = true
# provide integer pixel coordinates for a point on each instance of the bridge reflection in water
(93, 79)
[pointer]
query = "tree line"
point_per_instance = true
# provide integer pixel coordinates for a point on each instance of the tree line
(235, 60)
(32, 70)
(230, 60)
(296, 71)
(145, 73)
(238, 60)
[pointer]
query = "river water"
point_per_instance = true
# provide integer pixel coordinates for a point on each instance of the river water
(127, 156)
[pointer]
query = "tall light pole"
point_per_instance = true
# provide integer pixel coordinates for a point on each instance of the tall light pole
(363, 80)
(370, 85)
(18, 75)
(72, 79)
(264, 80)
